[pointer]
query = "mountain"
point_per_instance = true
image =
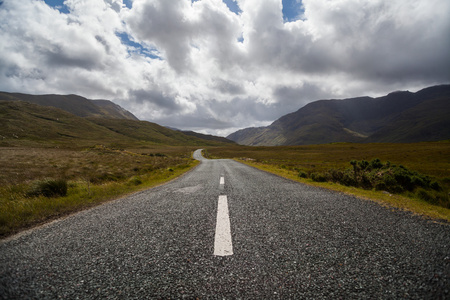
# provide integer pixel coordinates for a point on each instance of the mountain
(74, 104)
(113, 110)
(208, 137)
(28, 124)
(398, 117)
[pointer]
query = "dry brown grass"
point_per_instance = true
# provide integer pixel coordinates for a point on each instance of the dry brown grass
(22, 165)
(95, 175)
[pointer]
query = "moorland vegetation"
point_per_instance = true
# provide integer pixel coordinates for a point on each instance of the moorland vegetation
(414, 176)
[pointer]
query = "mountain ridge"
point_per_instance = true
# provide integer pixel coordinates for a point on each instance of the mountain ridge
(26, 124)
(400, 116)
(74, 104)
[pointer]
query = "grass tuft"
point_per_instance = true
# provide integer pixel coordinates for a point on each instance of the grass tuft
(48, 188)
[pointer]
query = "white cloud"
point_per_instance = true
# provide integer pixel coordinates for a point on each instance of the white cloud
(222, 70)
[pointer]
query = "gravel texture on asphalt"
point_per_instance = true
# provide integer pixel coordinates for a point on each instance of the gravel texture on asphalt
(290, 241)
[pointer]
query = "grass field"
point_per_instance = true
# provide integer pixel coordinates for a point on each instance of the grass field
(93, 175)
(432, 159)
(100, 173)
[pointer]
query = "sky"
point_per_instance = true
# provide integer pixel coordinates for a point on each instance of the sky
(216, 66)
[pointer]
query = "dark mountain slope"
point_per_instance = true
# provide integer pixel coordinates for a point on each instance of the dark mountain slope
(397, 117)
(427, 121)
(28, 124)
(74, 104)
(208, 137)
(113, 110)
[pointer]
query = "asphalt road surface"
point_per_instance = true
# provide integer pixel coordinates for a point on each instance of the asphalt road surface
(272, 239)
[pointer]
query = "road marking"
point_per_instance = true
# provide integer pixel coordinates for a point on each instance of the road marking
(222, 180)
(222, 241)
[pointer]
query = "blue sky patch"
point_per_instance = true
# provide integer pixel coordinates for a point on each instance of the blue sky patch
(292, 10)
(233, 6)
(128, 3)
(125, 39)
(58, 4)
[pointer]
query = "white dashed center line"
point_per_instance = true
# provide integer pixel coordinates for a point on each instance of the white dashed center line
(222, 242)
(222, 180)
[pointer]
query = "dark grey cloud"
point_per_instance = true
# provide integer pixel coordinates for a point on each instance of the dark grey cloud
(195, 122)
(156, 99)
(227, 87)
(292, 98)
(56, 56)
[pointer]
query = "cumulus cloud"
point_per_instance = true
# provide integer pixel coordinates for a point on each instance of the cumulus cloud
(216, 66)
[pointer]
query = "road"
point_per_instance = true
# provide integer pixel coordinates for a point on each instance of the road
(288, 241)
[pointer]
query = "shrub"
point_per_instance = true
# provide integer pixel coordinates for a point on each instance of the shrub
(348, 180)
(365, 181)
(336, 175)
(48, 188)
(376, 164)
(318, 177)
(418, 181)
(435, 186)
(302, 174)
(363, 164)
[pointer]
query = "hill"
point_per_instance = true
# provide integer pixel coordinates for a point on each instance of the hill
(113, 110)
(398, 117)
(28, 124)
(74, 104)
(208, 137)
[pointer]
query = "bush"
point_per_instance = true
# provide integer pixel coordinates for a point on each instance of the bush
(363, 164)
(48, 188)
(302, 174)
(386, 177)
(404, 178)
(318, 177)
(348, 180)
(365, 181)
(376, 164)
(436, 186)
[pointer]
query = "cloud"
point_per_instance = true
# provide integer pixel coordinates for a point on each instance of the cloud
(217, 66)
(159, 101)
(228, 87)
